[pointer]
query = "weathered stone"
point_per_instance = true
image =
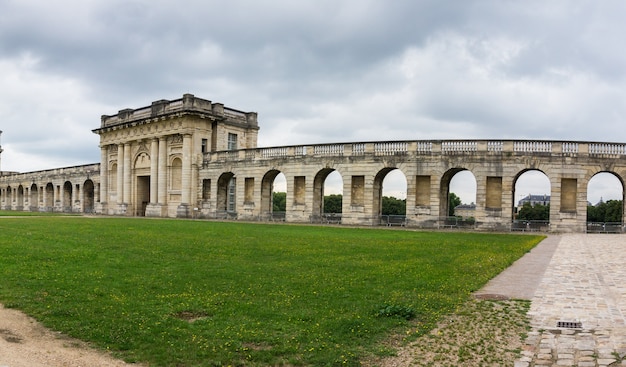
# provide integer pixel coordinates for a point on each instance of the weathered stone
(191, 157)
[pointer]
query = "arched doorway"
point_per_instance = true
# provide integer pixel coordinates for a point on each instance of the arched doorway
(9, 198)
(20, 198)
(88, 196)
(327, 196)
(142, 182)
(389, 202)
(226, 196)
(273, 195)
(605, 203)
(457, 198)
(67, 197)
(531, 206)
(49, 197)
(34, 198)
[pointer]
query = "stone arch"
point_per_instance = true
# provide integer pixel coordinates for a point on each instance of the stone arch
(226, 197)
(49, 197)
(602, 175)
(20, 198)
(520, 192)
(88, 196)
(176, 173)
(141, 182)
(445, 189)
(66, 197)
(112, 176)
(9, 197)
(378, 188)
(34, 198)
(267, 190)
(142, 160)
(318, 190)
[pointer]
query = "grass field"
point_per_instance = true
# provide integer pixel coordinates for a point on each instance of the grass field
(199, 293)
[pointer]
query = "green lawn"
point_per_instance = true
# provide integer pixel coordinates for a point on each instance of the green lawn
(200, 293)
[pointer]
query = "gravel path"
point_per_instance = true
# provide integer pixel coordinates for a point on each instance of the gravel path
(26, 343)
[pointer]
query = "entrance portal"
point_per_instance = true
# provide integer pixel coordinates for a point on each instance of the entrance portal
(143, 195)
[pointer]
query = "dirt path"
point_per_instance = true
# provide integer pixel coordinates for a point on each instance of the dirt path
(26, 343)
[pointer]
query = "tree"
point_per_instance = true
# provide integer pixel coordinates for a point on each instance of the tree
(332, 203)
(610, 211)
(393, 206)
(534, 212)
(453, 202)
(279, 201)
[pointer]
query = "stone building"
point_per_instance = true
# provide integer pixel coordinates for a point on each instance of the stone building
(190, 157)
(150, 157)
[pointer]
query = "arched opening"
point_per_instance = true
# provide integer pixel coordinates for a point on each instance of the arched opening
(327, 196)
(176, 174)
(34, 198)
(605, 203)
(67, 197)
(390, 196)
(273, 196)
(457, 198)
(20, 198)
(49, 197)
(226, 196)
(9, 198)
(142, 182)
(112, 183)
(531, 206)
(88, 196)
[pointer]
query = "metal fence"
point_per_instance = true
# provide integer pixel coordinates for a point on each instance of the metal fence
(605, 227)
(530, 225)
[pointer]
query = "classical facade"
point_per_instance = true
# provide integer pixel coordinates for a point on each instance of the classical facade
(191, 157)
(150, 157)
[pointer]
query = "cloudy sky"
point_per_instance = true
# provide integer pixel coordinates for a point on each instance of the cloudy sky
(315, 71)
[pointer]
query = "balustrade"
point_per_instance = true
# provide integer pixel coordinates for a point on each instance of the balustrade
(274, 152)
(418, 147)
(607, 148)
(424, 146)
(329, 149)
(390, 148)
(568, 147)
(495, 146)
(532, 146)
(460, 146)
(358, 149)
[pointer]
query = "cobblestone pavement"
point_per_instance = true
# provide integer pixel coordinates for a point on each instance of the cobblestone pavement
(579, 307)
(577, 285)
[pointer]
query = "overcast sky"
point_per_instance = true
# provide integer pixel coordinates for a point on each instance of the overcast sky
(315, 71)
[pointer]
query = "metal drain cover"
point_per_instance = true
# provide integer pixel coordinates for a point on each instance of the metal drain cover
(570, 324)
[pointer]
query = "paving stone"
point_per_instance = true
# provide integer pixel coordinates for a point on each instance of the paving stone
(583, 279)
(606, 362)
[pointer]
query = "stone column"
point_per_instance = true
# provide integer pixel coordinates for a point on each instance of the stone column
(104, 174)
(44, 198)
(120, 173)
(75, 197)
(183, 209)
(127, 178)
(186, 174)
(154, 170)
(57, 197)
(162, 174)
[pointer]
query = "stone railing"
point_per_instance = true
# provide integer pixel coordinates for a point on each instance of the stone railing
(92, 170)
(421, 147)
